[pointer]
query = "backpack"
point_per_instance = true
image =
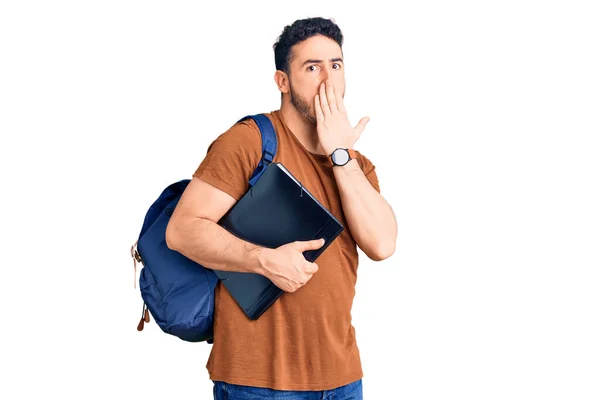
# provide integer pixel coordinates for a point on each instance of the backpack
(178, 292)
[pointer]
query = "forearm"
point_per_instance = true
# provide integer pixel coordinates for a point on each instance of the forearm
(370, 218)
(213, 247)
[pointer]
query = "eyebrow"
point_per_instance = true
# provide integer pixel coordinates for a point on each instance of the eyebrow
(321, 61)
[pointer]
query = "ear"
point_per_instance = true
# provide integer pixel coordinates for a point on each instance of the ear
(282, 81)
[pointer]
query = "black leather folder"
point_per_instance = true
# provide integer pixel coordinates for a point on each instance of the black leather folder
(277, 210)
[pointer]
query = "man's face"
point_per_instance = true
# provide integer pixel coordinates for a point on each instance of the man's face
(314, 61)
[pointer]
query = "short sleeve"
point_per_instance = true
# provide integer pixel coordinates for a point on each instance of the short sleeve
(232, 158)
(369, 170)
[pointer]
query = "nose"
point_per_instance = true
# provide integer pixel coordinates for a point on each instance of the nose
(326, 74)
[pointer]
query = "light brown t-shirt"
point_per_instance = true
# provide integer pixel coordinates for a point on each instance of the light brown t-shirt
(305, 340)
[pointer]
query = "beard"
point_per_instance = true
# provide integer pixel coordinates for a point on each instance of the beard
(303, 106)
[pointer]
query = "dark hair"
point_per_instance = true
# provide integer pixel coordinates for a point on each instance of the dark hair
(299, 31)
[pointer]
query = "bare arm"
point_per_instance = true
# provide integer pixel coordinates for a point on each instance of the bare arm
(193, 231)
(370, 217)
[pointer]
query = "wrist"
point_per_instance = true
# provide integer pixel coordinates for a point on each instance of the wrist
(330, 150)
(258, 257)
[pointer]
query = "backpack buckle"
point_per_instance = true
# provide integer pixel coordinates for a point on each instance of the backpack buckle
(268, 157)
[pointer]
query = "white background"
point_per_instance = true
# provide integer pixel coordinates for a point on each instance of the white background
(484, 130)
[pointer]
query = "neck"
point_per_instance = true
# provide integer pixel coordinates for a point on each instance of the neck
(305, 132)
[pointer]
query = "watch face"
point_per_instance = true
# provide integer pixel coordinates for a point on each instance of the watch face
(340, 157)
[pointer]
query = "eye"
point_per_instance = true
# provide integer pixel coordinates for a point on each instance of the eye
(338, 66)
(312, 68)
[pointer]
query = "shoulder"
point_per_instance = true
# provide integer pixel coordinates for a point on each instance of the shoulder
(231, 158)
(243, 135)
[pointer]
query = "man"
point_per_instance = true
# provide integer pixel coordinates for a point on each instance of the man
(304, 344)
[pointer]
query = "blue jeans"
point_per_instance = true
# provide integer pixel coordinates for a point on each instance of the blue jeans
(228, 391)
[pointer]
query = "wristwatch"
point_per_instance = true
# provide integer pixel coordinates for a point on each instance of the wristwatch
(341, 156)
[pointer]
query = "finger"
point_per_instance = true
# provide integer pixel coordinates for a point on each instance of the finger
(339, 101)
(318, 110)
(323, 99)
(360, 127)
(311, 268)
(292, 288)
(311, 244)
(330, 95)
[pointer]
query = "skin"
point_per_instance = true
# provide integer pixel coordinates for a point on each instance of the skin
(312, 106)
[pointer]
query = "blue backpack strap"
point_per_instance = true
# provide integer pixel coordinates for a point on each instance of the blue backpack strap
(269, 144)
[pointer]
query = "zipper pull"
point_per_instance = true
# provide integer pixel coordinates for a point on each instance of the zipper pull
(146, 315)
(140, 326)
(145, 318)
(136, 259)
